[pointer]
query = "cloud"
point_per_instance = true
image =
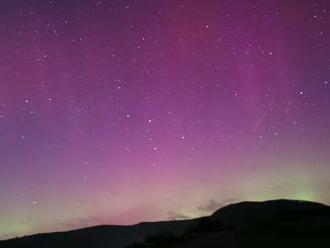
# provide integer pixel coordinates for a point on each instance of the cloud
(213, 205)
(172, 215)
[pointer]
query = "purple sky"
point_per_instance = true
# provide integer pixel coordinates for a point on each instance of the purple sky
(115, 112)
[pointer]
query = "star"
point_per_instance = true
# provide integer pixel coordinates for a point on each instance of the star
(88, 108)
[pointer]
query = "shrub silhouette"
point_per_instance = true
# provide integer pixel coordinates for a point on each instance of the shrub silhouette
(203, 226)
(159, 240)
(162, 239)
(138, 245)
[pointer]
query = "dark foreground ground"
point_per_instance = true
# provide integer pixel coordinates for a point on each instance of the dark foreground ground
(278, 223)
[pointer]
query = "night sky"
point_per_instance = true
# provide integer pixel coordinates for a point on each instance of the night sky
(115, 112)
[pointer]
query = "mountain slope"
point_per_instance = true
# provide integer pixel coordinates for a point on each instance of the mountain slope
(277, 223)
(99, 236)
(245, 214)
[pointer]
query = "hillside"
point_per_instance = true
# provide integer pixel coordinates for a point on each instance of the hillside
(277, 223)
(99, 236)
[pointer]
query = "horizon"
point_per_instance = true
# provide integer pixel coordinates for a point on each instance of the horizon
(117, 112)
(158, 221)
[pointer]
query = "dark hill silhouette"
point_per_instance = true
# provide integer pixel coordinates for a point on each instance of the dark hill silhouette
(245, 214)
(277, 223)
(99, 236)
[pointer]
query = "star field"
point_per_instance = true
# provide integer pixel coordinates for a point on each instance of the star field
(115, 112)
